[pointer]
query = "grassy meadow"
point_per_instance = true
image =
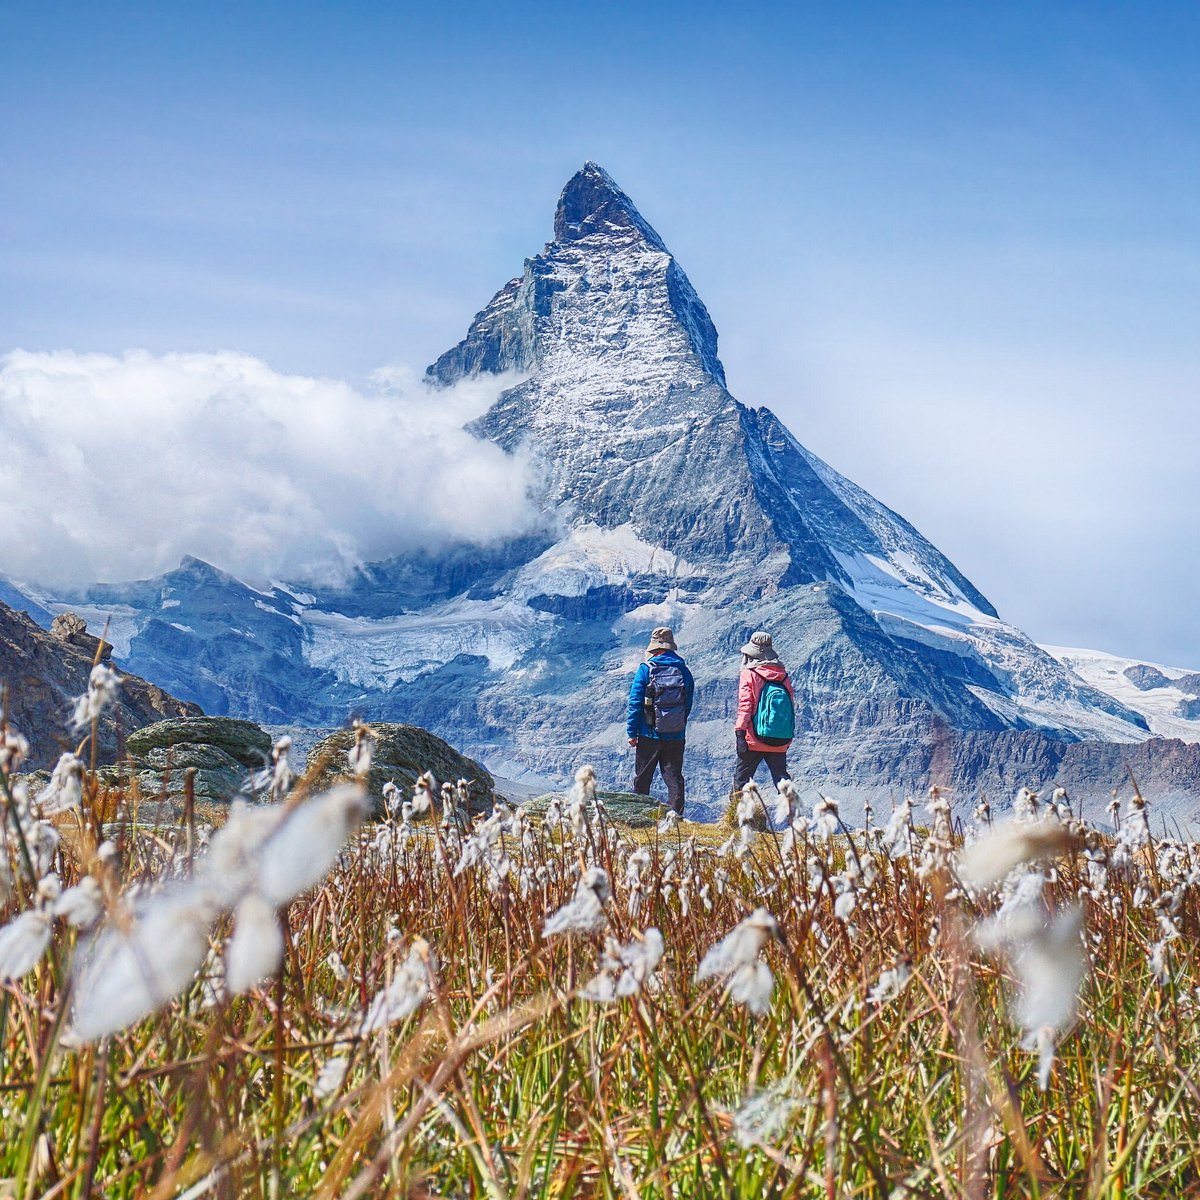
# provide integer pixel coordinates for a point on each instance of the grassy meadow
(294, 998)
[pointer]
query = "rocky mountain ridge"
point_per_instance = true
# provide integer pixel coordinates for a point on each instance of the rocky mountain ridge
(43, 671)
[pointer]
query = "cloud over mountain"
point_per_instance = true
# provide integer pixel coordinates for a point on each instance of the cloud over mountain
(116, 467)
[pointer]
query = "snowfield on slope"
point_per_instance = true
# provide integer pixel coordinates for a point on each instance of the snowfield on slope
(1158, 705)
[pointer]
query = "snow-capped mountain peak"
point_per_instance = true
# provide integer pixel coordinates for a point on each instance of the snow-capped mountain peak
(667, 502)
(592, 205)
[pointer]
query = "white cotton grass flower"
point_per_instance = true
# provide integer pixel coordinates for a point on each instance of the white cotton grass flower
(670, 822)
(410, 986)
(785, 803)
(751, 986)
(23, 941)
(101, 692)
(1051, 967)
(826, 817)
(585, 913)
(891, 982)
(230, 863)
(1047, 957)
(989, 859)
(748, 805)
(282, 774)
(332, 1076)
(847, 897)
(124, 974)
(333, 960)
(584, 790)
(636, 866)
(797, 831)
(1160, 962)
(255, 950)
(1027, 805)
(65, 789)
(308, 841)
(1060, 804)
(764, 1117)
(362, 751)
(897, 840)
(392, 800)
(422, 798)
(581, 797)
(735, 960)
(49, 888)
(1135, 828)
(14, 748)
(448, 801)
(625, 969)
(41, 840)
(483, 846)
(80, 905)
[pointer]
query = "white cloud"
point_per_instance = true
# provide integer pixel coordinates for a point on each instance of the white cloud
(115, 468)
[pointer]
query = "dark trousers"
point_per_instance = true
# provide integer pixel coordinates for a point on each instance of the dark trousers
(668, 758)
(748, 761)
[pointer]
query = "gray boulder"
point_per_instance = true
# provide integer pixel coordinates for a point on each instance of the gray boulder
(223, 751)
(402, 754)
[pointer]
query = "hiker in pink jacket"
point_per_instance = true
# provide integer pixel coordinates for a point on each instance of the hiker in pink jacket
(766, 713)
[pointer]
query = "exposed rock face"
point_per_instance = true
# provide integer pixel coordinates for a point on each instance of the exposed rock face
(402, 753)
(1146, 678)
(222, 751)
(667, 502)
(44, 672)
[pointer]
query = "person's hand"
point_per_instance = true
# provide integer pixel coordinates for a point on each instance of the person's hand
(633, 741)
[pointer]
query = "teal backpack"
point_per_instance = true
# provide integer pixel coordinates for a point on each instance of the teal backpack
(775, 718)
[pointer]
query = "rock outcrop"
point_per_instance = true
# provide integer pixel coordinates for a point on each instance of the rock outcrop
(43, 672)
(402, 754)
(221, 751)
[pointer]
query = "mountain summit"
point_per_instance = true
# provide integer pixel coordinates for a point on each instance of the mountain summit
(667, 502)
(591, 203)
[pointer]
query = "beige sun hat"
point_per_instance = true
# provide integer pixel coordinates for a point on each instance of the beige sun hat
(759, 646)
(661, 639)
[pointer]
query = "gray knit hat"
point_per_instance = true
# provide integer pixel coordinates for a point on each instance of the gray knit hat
(661, 639)
(759, 646)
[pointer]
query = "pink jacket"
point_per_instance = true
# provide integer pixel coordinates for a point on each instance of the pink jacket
(750, 686)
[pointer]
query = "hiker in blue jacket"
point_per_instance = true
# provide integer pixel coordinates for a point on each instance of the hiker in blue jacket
(660, 700)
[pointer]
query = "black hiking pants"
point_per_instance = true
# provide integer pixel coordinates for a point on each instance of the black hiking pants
(668, 758)
(748, 762)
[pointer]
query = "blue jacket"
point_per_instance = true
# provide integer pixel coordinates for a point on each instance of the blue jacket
(635, 721)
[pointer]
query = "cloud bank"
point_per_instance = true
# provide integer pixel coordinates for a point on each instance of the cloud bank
(115, 467)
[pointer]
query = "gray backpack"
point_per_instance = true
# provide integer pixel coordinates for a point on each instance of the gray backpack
(666, 698)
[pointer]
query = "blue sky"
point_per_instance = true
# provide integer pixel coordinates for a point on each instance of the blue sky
(954, 246)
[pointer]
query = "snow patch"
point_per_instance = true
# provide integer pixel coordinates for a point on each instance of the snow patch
(379, 652)
(267, 608)
(591, 556)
